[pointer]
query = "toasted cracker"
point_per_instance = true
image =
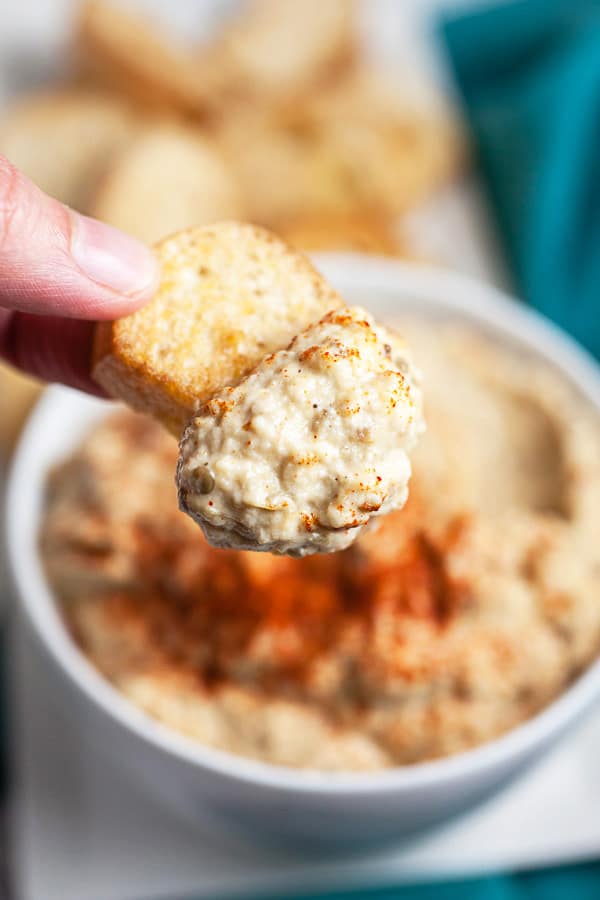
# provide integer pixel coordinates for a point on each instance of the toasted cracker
(131, 55)
(278, 48)
(362, 233)
(229, 294)
(364, 93)
(64, 140)
(284, 174)
(392, 149)
(338, 158)
(398, 166)
(169, 179)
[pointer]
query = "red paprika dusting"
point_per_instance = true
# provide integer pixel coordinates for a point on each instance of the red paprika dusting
(214, 609)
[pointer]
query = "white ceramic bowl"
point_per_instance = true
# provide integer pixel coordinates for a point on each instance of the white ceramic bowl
(269, 802)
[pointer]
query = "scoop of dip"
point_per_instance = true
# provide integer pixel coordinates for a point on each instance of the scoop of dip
(304, 452)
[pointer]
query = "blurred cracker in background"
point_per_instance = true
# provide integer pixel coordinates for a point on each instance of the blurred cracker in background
(273, 50)
(363, 233)
(396, 148)
(304, 125)
(63, 139)
(354, 145)
(169, 178)
(283, 174)
(129, 54)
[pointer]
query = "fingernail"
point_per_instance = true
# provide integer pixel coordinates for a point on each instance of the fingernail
(110, 257)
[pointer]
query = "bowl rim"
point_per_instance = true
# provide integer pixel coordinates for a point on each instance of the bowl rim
(486, 306)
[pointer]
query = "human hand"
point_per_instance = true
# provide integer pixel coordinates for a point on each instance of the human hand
(59, 272)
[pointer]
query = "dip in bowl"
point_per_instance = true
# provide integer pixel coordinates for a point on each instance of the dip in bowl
(353, 698)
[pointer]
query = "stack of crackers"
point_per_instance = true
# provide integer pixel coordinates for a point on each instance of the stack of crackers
(279, 121)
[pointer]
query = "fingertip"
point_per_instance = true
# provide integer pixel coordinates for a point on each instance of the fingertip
(113, 260)
(58, 262)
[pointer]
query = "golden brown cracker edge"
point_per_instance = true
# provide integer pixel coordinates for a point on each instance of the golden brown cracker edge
(187, 343)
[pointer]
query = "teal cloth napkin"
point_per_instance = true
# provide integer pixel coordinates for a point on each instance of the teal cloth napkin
(580, 882)
(575, 882)
(529, 75)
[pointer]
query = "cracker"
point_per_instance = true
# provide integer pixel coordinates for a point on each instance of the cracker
(272, 168)
(229, 294)
(394, 167)
(393, 148)
(277, 48)
(360, 233)
(363, 92)
(283, 174)
(168, 179)
(64, 140)
(340, 160)
(131, 55)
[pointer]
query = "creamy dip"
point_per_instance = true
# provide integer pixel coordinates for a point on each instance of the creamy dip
(459, 618)
(309, 448)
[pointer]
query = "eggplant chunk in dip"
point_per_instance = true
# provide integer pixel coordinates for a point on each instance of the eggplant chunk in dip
(301, 455)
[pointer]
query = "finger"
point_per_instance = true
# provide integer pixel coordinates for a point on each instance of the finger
(54, 261)
(50, 348)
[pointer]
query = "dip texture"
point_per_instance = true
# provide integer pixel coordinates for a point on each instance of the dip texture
(460, 617)
(311, 446)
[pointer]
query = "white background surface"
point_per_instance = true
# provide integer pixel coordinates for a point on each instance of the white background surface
(80, 832)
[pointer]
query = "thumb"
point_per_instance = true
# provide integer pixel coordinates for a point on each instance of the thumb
(56, 262)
